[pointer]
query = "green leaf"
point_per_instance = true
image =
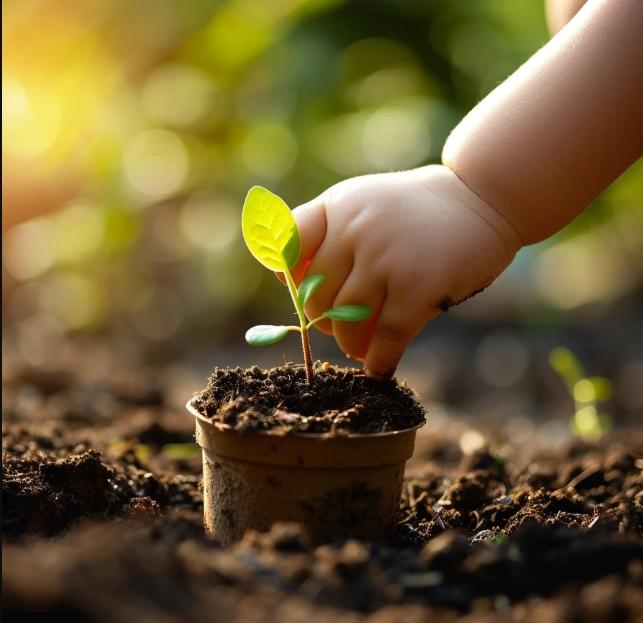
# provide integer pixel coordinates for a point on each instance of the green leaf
(350, 313)
(308, 286)
(567, 365)
(264, 334)
(603, 388)
(269, 229)
(181, 451)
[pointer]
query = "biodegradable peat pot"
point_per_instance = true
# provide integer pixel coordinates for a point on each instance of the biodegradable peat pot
(335, 484)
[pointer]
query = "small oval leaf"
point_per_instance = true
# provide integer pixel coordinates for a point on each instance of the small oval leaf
(308, 286)
(349, 313)
(264, 334)
(269, 229)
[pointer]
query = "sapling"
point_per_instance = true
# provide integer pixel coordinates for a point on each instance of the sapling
(271, 234)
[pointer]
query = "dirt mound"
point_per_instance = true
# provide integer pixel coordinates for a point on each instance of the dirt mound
(338, 401)
(481, 538)
(45, 495)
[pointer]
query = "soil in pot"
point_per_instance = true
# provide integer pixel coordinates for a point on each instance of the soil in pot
(338, 401)
(330, 454)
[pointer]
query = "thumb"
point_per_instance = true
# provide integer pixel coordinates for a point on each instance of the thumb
(311, 222)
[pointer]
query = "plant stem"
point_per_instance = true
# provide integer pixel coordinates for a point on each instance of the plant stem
(313, 322)
(308, 357)
(305, 341)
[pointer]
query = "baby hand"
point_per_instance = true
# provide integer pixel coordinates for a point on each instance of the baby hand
(406, 244)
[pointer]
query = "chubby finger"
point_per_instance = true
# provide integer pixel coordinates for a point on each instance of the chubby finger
(361, 287)
(311, 222)
(398, 323)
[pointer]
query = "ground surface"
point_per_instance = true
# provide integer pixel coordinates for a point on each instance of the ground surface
(102, 522)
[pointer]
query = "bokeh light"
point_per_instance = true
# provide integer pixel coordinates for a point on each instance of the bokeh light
(30, 120)
(27, 250)
(157, 313)
(181, 95)
(77, 232)
(397, 136)
(132, 132)
(73, 299)
(156, 163)
(210, 222)
(269, 150)
(591, 268)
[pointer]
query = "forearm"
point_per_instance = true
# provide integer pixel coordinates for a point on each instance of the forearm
(549, 139)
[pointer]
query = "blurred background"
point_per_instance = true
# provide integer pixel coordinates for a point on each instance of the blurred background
(132, 131)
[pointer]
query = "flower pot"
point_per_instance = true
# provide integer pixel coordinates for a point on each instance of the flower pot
(336, 486)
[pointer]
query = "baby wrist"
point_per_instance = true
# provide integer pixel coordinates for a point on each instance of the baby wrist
(446, 183)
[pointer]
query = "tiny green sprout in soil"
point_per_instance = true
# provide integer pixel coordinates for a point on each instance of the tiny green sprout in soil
(271, 234)
(586, 391)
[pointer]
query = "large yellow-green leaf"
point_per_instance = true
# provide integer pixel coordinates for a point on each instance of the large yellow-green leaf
(269, 229)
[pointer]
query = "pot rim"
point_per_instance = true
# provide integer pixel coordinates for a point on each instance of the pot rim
(267, 433)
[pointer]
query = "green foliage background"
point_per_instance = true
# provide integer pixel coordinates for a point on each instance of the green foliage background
(134, 129)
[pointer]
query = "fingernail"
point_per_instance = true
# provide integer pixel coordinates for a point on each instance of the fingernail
(386, 376)
(381, 376)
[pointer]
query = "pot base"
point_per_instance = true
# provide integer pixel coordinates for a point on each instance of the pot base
(361, 503)
(336, 486)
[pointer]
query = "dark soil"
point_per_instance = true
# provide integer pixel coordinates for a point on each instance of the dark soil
(338, 401)
(102, 523)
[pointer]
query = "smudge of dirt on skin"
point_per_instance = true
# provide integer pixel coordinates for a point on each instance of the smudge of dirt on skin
(447, 302)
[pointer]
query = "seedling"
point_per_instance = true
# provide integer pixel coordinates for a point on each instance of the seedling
(271, 234)
(587, 392)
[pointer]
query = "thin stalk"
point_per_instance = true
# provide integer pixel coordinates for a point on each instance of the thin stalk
(305, 341)
(313, 322)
